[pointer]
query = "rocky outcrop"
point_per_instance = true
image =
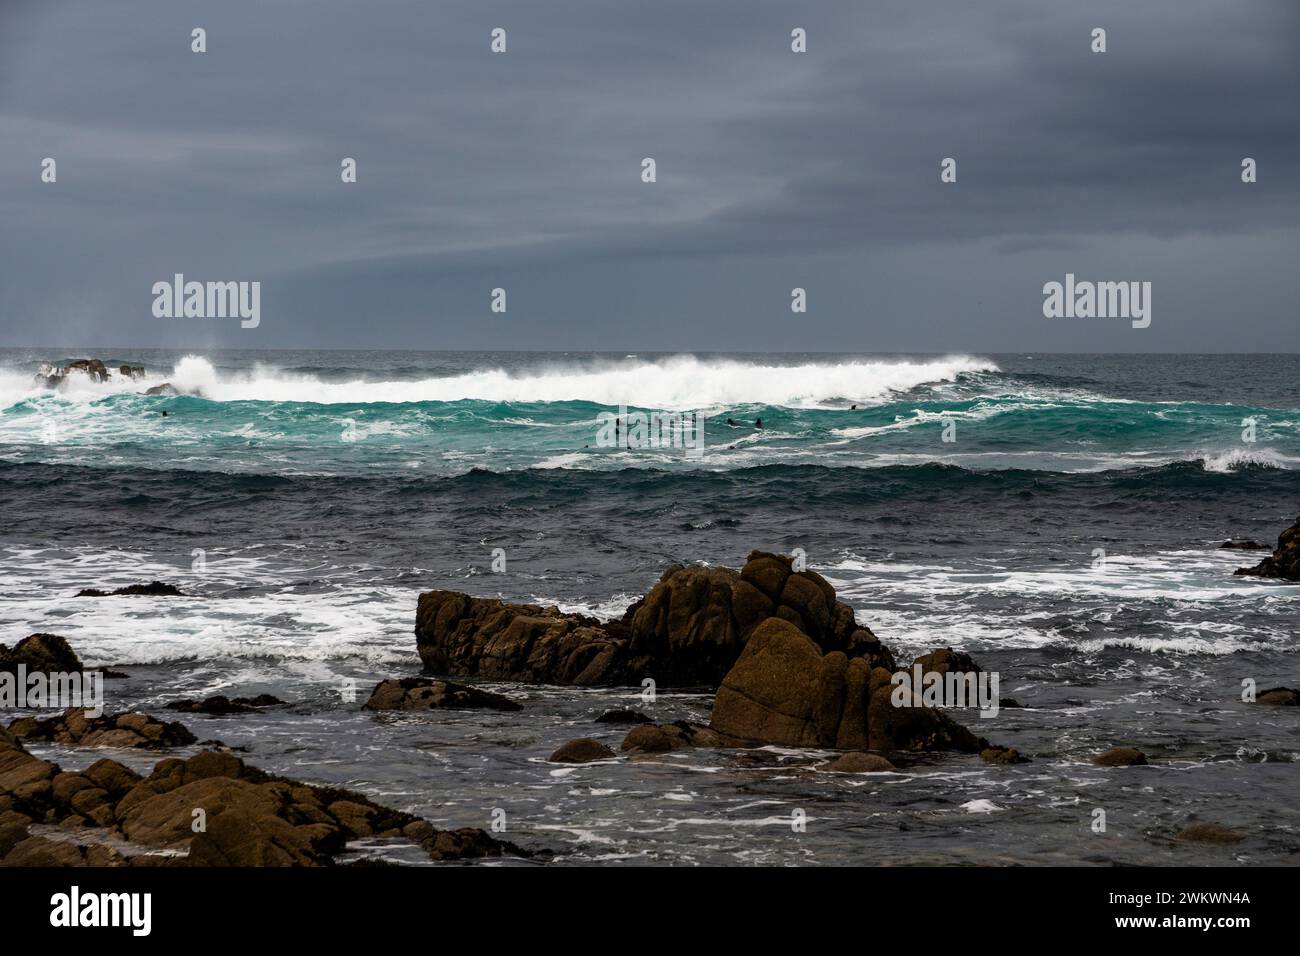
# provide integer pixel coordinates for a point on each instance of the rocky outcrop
(784, 690)
(689, 630)
(152, 589)
(47, 653)
(52, 376)
(209, 810)
(1243, 544)
(166, 388)
(482, 637)
(423, 693)
(73, 728)
(623, 717)
(791, 663)
(1284, 562)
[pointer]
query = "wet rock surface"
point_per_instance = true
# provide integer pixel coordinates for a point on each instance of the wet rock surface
(1284, 562)
(208, 810)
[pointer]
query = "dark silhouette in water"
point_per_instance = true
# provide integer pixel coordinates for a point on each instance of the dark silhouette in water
(758, 423)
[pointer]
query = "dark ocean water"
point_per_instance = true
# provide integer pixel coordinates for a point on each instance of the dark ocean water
(1067, 537)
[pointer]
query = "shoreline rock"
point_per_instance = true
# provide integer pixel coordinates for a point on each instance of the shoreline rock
(688, 631)
(114, 817)
(73, 728)
(48, 653)
(1284, 562)
(791, 664)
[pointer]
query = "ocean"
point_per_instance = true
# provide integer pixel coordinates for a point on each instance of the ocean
(1057, 516)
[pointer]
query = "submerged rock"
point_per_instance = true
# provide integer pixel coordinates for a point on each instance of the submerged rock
(661, 738)
(152, 589)
(582, 750)
(166, 388)
(1284, 562)
(1002, 755)
(857, 762)
(623, 717)
(1121, 757)
(424, 693)
(1243, 544)
(220, 705)
(1213, 833)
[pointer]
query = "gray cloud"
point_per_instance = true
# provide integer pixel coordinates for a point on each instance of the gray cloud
(775, 170)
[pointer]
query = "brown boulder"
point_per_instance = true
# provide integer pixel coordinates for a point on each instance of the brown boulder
(484, 637)
(582, 750)
(47, 653)
(857, 762)
(1121, 757)
(1002, 755)
(771, 693)
(684, 628)
(784, 691)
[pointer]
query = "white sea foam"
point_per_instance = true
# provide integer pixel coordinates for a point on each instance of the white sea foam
(683, 381)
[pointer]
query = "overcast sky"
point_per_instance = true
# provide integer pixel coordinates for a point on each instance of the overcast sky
(775, 170)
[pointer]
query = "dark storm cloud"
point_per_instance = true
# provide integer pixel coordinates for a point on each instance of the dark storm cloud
(775, 170)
